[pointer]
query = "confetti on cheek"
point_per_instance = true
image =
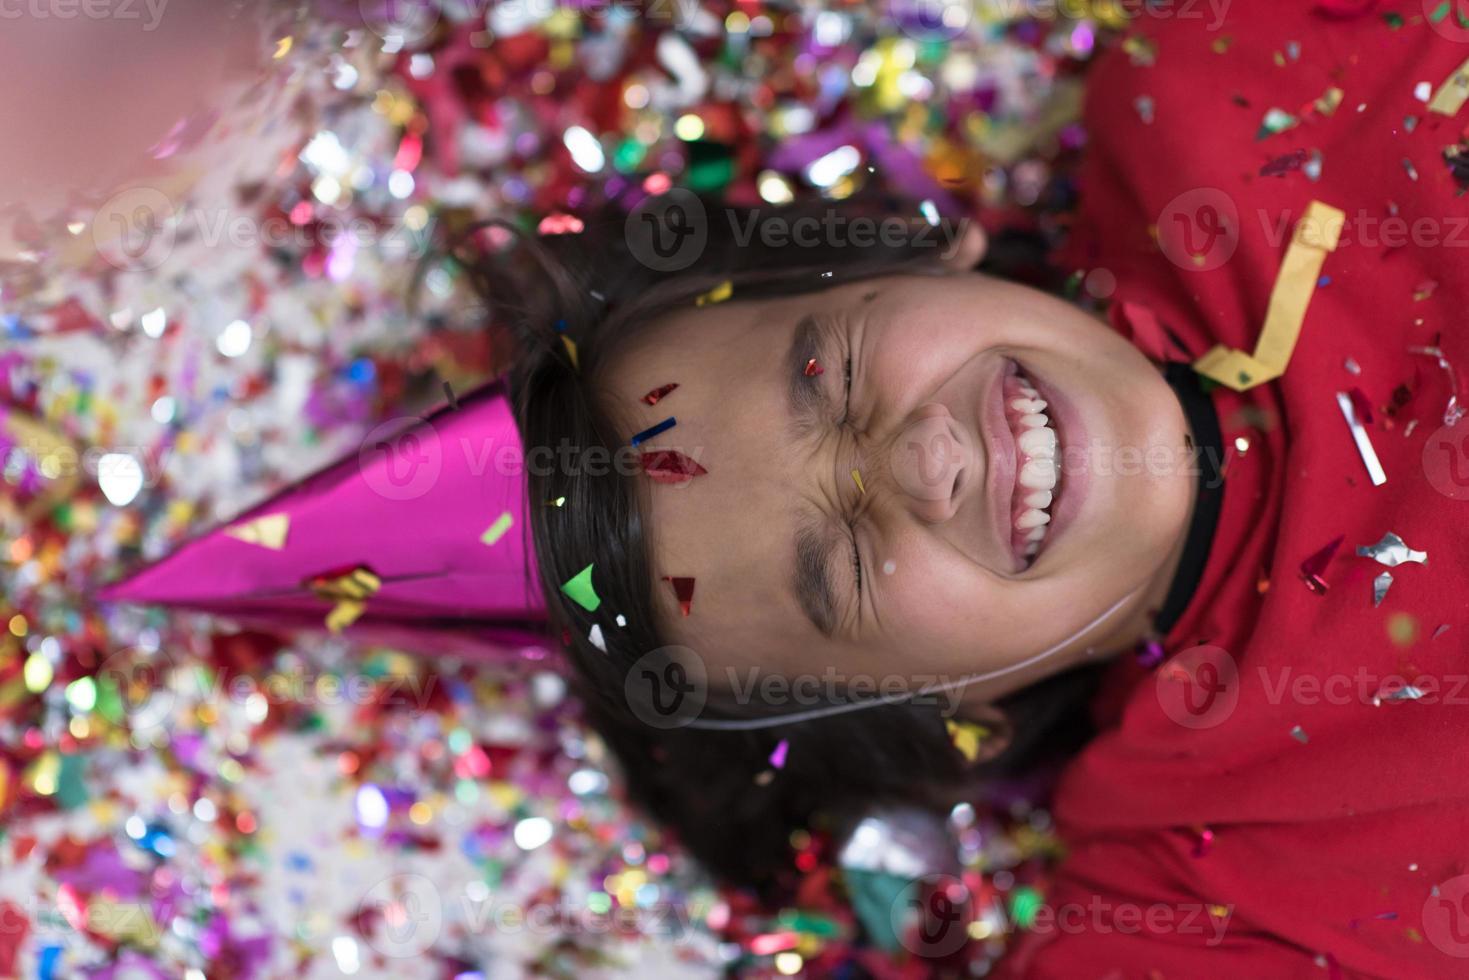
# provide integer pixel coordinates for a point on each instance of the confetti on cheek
(654, 430)
(683, 591)
(1313, 568)
(580, 590)
(857, 479)
(1391, 551)
(497, 530)
(670, 466)
(778, 757)
(658, 394)
(812, 368)
(718, 294)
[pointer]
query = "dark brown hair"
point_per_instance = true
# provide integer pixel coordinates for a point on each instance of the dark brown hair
(591, 288)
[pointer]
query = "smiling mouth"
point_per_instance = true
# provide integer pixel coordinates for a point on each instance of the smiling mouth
(1038, 471)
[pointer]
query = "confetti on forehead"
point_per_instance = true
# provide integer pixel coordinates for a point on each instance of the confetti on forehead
(654, 430)
(670, 466)
(658, 394)
(718, 294)
(683, 591)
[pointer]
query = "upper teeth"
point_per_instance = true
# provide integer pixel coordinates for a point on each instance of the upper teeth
(1039, 472)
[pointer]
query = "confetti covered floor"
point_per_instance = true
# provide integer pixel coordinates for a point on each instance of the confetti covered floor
(184, 799)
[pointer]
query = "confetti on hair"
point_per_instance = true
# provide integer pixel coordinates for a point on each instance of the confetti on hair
(1380, 585)
(670, 466)
(654, 430)
(718, 294)
(857, 479)
(778, 756)
(1363, 441)
(658, 394)
(812, 368)
(594, 635)
(683, 591)
(556, 502)
(560, 224)
(580, 590)
(1453, 411)
(621, 620)
(571, 354)
(1299, 734)
(269, 531)
(1391, 551)
(1314, 567)
(497, 530)
(966, 737)
(765, 777)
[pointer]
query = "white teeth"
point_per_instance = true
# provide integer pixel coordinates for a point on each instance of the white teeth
(1031, 518)
(1038, 442)
(1035, 420)
(1028, 405)
(1039, 499)
(1036, 534)
(1032, 548)
(1038, 474)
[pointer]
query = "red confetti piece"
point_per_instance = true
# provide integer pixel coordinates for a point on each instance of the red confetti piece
(670, 466)
(1284, 164)
(658, 394)
(812, 368)
(683, 591)
(1313, 567)
(1362, 406)
(1204, 843)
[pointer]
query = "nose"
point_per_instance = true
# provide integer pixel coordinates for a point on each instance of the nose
(932, 461)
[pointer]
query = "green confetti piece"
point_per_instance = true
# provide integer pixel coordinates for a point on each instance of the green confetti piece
(1025, 903)
(1440, 12)
(497, 530)
(579, 588)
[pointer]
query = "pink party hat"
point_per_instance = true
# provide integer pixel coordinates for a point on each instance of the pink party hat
(419, 539)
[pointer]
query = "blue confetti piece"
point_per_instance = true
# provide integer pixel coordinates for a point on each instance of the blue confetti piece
(1324, 281)
(654, 430)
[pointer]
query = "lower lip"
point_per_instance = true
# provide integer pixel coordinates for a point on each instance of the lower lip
(1070, 439)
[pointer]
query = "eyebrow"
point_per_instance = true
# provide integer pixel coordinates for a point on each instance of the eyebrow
(806, 398)
(808, 403)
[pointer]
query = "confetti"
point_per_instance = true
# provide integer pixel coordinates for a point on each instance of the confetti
(857, 479)
(269, 531)
(594, 635)
(1363, 441)
(497, 530)
(1392, 551)
(1452, 92)
(670, 466)
(718, 294)
(1299, 734)
(658, 394)
(966, 737)
(580, 590)
(812, 369)
(1205, 843)
(1380, 585)
(778, 756)
(1453, 411)
(1276, 121)
(1313, 569)
(654, 430)
(571, 353)
(1316, 235)
(1284, 164)
(683, 591)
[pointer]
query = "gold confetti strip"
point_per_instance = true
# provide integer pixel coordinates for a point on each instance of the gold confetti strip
(1316, 234)
(857, 479)
(570, 346)
(1453, 93)
(351, 592)
(269, 531)
(718, 294)
(966, 737)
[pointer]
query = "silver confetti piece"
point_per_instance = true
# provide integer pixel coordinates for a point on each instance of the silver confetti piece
(1391, 551)
(1380, 585)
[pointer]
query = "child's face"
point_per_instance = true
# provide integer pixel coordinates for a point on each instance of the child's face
(776, 532)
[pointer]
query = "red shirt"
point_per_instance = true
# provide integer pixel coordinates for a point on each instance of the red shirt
(1276, 812)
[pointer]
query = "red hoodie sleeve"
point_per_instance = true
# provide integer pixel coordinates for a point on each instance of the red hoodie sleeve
(1293, 800)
